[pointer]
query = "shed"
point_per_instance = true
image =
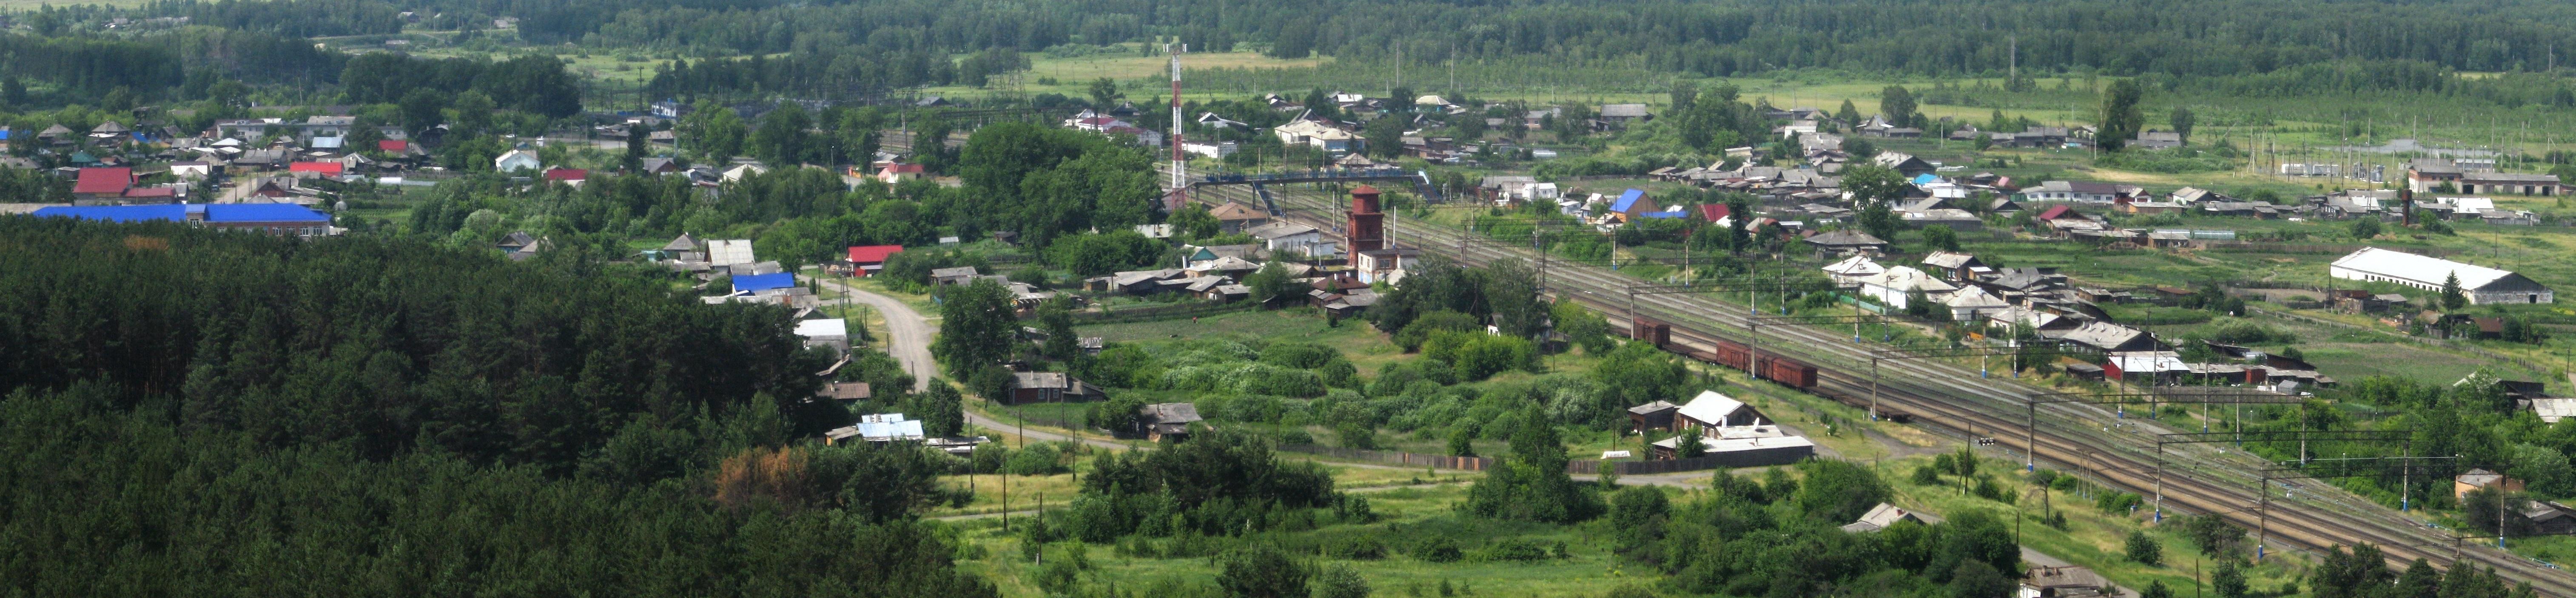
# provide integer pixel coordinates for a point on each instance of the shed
(1161, 421)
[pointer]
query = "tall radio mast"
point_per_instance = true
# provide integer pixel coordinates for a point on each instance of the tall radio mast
(1178, 164)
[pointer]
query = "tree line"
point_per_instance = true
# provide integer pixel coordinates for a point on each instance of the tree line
(235, 414)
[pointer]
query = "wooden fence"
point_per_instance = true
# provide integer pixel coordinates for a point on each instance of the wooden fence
(1162, 312)
(1577, 466)
(2308, 248)
(1394, 457)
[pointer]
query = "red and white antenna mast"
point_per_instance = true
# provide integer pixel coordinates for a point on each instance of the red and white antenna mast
(1178, 163)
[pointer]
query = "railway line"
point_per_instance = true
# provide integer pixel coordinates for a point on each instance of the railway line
(2081, 438)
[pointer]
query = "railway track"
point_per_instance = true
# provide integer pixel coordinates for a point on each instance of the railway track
(2077, 437)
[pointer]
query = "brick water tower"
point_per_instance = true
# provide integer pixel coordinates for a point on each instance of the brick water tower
(1368, 226)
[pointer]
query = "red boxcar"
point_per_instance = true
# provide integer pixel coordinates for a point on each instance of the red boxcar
(1659, 333)
(1793, 374)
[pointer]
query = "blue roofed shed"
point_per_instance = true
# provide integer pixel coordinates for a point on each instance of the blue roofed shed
(751, 283)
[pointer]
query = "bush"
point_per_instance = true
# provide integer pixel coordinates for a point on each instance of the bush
(1925, 475)
(1355, 547)
(1302, 356)
(1038, 459)
(1513, 549)
(2144, 549)
(2118, 502)
(1438, 550)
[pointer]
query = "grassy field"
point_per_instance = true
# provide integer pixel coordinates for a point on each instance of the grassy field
(2092, 538)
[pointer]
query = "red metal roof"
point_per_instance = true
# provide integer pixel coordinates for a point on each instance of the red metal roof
(140, 192)
(2055, 212)
(1713, 211)
(567, 174)
(393, 145)
(873, 254)
(104, 181)
(325, 168)
(902, 169)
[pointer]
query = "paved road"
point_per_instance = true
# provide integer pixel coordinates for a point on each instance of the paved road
(908, 332)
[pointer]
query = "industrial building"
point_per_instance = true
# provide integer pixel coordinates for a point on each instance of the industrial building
(2482, 284)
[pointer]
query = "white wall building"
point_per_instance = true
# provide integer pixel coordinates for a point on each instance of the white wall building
(2482, 284)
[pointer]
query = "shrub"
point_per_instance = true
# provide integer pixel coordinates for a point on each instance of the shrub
(2144, 549)
(1297, 355)
(1355, 547)
(1438, 550)
(1039, 459)
(1925, 475)
(1513, 549)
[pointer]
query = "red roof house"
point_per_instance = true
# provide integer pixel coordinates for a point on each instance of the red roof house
(103, 182)
(870, 258)
(896, 173)
(393, 146)
(1714, 211)
(317, 168)
(2056, 212)
(569, 175)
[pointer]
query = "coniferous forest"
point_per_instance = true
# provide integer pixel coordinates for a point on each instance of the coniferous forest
(195, 413)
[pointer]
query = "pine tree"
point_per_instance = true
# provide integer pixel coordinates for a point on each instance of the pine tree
(2452, 297)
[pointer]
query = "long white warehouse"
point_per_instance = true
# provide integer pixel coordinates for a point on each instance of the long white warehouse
(2482, 284)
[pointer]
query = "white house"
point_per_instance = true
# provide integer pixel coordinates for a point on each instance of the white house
(1891, 287)
(1849, 271)
(1290, 236)
(1218, 149)
(2482, 284)
(826, 332)
(1974, 303)
(1713, 410)
(517, 160)
(1325, 137)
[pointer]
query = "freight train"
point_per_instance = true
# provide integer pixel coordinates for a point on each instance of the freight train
(1765, 365)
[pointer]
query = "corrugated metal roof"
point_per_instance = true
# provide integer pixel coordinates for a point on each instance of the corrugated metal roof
(250, 212)
(763, 282)
(2427, 269)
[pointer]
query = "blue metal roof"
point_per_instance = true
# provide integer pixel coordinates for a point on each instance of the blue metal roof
(245, 212)
(1926, 179)
(263, 212)
(143, 213)
(4, 134)
(1665, 215)
(763, 282)
(1627, 199)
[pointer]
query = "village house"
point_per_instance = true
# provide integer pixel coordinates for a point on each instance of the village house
(1614, 116)
(1893, 287)
(1884, 516)
(1955, 266)
(2078, 191)
(1331, 139)
(868, 259)
(1283, 238)
(1846, 242)
(2109, 338)
(1902, 163)
(1849, 272)
(2476, 479)
(1166, 421)
(517, 160)
(1234, 217)
(1047, 387)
